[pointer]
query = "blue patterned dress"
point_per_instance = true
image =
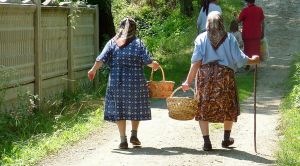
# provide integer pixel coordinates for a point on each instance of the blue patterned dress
(127, 94)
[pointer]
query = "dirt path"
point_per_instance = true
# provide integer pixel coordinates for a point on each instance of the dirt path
(169, 142)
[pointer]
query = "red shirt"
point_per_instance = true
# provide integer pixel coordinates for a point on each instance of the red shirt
(252, 17)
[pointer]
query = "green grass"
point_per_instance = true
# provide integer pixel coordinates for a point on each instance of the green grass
(29, 151)
(245, 85)
(289, 152)
(25, 139)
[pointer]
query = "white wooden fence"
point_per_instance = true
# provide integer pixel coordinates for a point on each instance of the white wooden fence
(44, 54)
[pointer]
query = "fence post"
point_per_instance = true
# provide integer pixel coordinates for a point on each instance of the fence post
(38, 52)
(96, 39)
(70, 53)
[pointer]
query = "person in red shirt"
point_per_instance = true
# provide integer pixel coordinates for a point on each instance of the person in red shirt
(252, 17)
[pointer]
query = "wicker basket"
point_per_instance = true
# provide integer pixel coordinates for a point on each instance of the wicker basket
(160, 89)
(182, 108)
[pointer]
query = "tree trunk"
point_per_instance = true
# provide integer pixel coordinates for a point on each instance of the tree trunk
(106, 23)
(186, 7)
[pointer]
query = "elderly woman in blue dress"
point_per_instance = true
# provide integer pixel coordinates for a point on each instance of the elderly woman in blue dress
(127, 95)
(216, 56)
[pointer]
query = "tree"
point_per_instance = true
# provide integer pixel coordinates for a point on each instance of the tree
(186, 7)
(106, 23)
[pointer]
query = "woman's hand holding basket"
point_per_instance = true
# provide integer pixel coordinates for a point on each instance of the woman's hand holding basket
(182, 108)
(154, 65)
(159, 89)
(185, 86)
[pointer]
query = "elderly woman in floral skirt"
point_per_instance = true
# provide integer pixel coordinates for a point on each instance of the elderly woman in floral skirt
(215, 59)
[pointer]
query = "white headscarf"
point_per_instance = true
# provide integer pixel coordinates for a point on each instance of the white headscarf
(215, 29)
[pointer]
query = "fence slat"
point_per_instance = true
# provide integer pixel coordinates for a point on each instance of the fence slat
(38, 52)
(96, 39)
(70, 53)
(40, 44)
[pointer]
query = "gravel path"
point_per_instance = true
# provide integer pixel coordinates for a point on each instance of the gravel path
(169, 142)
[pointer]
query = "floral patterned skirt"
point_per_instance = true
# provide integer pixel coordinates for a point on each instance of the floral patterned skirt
(217, 94)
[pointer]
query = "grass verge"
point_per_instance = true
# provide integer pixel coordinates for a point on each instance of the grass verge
(64, 120)
(289, 152)
(245, 85)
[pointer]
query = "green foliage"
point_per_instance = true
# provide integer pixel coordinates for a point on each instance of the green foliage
(171, 44)
(74, 15)
(167, 34)
(230, 9)
(23, 109)
(245, 85)
(289, 152)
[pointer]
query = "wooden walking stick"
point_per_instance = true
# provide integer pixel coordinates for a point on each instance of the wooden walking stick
(255, 77)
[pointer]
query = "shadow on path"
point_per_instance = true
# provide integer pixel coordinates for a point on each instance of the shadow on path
(169, 151)
(158, 103)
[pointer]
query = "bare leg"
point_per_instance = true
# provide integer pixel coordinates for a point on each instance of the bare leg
(135, 124)
(228, 125)
(122, 130)
(204, 127)
(122, 127)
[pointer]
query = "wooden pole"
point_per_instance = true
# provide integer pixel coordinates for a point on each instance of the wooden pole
(38, 53)
(96, 39)
(255, 78)
(70, 53)
(96, 35)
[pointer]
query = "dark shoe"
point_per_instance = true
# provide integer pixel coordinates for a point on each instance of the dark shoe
(134, 140)
(207, 147)
(226, 143)
(123, 145)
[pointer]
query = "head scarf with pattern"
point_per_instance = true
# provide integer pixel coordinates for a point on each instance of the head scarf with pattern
(126, 33)
(215, 29)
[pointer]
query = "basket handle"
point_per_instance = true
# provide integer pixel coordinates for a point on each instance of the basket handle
(162, 71)
(180, 87)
